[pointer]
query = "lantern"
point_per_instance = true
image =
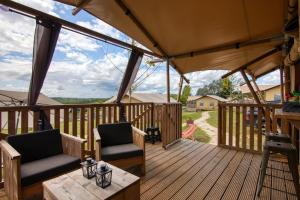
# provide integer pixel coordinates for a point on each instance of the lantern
(89, 167)
(103, 176)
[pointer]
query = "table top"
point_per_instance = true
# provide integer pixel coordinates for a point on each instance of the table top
(287, 115)
(74, 186)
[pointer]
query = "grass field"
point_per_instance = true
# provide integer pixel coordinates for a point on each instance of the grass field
(190, 115)
(213, 118)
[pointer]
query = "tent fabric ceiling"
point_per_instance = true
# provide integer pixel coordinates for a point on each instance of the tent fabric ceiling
(186, 26)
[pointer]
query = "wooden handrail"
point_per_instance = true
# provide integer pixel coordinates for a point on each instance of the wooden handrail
(242, 125)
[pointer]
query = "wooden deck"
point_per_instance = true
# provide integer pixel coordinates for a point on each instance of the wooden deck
(192, 170)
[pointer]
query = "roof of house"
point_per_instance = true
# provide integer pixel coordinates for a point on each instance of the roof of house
(7, 97)
(244, 88)
(192, 98)
(147, 97)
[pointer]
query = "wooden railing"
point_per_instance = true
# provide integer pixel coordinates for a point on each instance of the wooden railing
(168, 118)
(79, 120)
(242, 126)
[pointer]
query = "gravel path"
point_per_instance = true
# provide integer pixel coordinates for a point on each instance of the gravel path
(210, 130)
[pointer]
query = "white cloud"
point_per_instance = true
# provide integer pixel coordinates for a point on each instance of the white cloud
(70, 41)
(102, 27)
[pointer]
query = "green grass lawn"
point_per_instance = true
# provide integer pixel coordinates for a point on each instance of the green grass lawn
(190, 115)
(213, 118)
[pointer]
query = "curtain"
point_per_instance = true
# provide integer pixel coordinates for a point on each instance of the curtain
(45, 39)
(128, 79)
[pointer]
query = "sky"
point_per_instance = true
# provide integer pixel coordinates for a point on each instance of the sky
(81, 66)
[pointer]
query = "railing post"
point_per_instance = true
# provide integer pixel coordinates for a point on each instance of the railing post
(219, 124)
(152, 114)
(90, 130)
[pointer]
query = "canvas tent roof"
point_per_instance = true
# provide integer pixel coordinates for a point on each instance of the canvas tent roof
(198, 35)
(16, 96)
(147, 97)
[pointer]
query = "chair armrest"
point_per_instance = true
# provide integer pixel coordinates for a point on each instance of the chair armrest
(98, 144)
(139, 137)
(9, 151)
(11, 169)
(73, 146)
(97, 135)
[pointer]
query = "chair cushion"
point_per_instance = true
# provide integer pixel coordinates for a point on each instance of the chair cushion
(115, 134)
(120, 152)
(43, 169)
(38, 145)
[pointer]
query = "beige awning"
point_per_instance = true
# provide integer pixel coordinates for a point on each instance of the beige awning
(199, 35)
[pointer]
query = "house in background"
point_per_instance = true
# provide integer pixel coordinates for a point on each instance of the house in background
(270, 93)
(16, 98)
(206, 102)
(143, 98)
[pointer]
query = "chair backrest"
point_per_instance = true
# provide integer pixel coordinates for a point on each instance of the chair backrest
(37, 145)
(115, 134)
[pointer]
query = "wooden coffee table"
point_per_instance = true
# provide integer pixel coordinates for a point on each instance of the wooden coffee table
(73, 186)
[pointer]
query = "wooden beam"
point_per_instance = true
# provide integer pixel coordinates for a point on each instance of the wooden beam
(168, 80)
(235, 45)
(80, 6)
(147, 34)
(250, 87)
(179, 89)
(16, 7)
(259, 58)
(257, 89)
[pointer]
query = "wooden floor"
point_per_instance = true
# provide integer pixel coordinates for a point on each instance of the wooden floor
(192, 170)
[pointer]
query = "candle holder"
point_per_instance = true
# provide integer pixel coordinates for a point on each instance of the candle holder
(89, 167)
(103, 176)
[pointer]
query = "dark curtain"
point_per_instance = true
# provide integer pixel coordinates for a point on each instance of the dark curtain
(128, 79)
(45, 39)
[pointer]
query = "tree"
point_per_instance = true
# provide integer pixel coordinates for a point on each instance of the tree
(225, 88)
(185, 94)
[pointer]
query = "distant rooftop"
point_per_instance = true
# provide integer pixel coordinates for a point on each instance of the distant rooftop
(16, 98)
(244, 88)
(147, 97)
(193, 98)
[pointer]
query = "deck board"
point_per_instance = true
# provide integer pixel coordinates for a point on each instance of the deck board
(192, 170)
(204, 171)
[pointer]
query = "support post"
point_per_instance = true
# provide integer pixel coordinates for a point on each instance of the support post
(281, 84)
(168, 80)
(250, 87)
(180, 88)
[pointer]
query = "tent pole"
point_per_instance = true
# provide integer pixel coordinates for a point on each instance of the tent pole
(180, 88)
(168, 80)
(281, 84)
(250, 87)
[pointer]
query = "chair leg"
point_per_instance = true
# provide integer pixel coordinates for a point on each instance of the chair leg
(292, 160)
(263, 170)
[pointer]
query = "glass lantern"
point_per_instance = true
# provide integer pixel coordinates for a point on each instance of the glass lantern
(89, 167)
(103, 176)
